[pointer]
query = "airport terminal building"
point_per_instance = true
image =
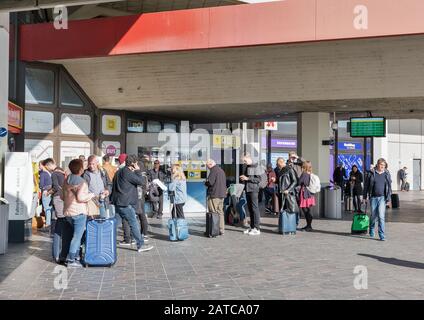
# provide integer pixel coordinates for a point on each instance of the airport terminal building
(117, 74)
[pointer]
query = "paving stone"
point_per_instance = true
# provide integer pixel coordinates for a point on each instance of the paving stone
(316, 265)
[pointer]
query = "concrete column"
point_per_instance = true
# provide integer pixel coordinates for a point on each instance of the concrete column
(313, 128)
(4, 86)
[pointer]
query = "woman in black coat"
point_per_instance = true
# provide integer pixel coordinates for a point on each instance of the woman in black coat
(355, 181)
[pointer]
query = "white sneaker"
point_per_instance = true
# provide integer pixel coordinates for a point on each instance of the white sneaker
(145, 248)
(254, 232)
(247, 231)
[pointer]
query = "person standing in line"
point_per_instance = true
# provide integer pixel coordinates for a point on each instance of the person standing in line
(281, 163)
(270, 188)
(48, 166)
(98, 183)
(339, 177)
(307, 199)
(121, 159)
(286, 186)
(217, 191)
(75, 209)
(153, 174)
(58, 180)
(127, 241)
(251, 177)
(378, 189)
(109, 168)
(178, 185)
(84, 161)
(402, 176)
(125, 198)
(356, 179)
(141, 192)
(296, 163)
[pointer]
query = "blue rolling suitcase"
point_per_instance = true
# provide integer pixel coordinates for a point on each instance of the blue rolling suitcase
(100, 243)
(178, 228)
(287, 222)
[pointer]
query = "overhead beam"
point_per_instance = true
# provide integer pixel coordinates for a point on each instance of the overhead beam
(25, 5)
(93, 11)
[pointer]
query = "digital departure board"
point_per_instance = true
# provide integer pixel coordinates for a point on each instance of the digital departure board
(367, 127)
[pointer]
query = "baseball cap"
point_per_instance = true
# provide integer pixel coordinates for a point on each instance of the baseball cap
(122, 157)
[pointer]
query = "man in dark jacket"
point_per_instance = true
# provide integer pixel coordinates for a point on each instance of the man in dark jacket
(339, 177)
(141, 191)
(217, 191)
(402, 178)
(125, 198)
(157, 173)
(251, 177)
(378, 188)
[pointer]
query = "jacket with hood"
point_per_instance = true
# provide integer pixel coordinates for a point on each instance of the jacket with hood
(75, 196)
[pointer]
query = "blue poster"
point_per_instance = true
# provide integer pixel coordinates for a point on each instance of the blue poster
(349, 160)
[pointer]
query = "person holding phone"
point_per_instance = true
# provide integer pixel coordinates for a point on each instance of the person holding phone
(125, 198)
(251, 177)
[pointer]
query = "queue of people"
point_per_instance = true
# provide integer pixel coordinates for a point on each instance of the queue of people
(68, 194)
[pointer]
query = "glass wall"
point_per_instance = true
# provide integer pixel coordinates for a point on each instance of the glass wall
(56, 125)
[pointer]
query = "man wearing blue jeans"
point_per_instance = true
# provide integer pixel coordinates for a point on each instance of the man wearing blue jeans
(125, 198)
(49, 166)
(378, 187)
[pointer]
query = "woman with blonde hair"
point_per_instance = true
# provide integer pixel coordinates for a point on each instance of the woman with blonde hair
(178, 185)
(307, 199)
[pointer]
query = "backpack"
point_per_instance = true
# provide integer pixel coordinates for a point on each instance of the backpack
(315, 184)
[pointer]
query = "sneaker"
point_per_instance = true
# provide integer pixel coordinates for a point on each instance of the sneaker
(247, 231)
(126, 244)
(145, 237)
(382, 239)
(74, 264)
(159, 217)
(372, 234)
(144, 248)
(254, 232)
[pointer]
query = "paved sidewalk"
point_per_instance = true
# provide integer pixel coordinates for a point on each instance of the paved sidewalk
(315, 265)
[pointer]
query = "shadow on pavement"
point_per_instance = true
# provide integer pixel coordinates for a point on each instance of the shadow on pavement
(394, 261)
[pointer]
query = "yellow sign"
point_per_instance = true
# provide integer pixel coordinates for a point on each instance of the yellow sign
(111, 124)
(193, 175)
(217, 141)
(236, 142)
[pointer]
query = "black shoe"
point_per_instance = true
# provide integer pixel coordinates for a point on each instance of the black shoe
(307, 229)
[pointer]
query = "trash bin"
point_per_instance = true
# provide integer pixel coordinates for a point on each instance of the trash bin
(332, 202)
(4, 225)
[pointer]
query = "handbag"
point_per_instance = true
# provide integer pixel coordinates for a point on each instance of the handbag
(93, 208)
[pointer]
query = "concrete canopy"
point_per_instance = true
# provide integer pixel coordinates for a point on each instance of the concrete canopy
(378, 75)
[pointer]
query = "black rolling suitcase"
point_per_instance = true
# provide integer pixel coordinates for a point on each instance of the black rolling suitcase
(395, 201)
(212, 224)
